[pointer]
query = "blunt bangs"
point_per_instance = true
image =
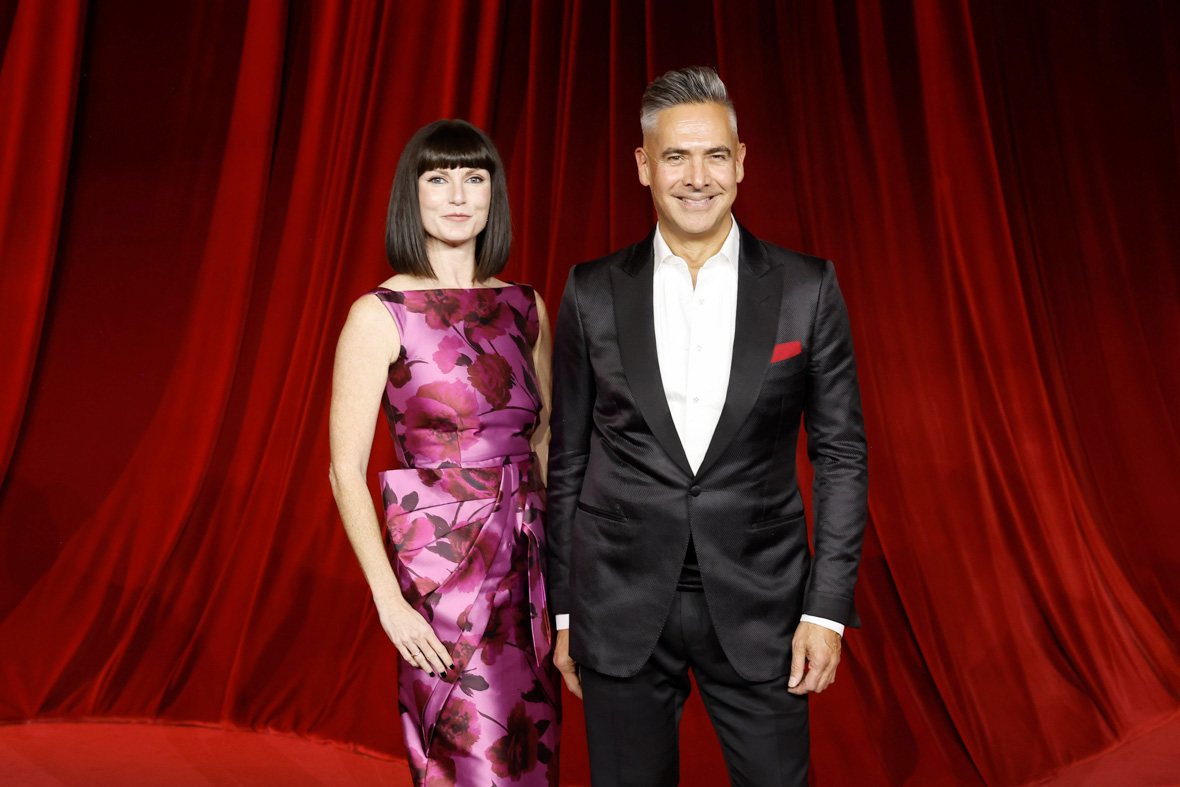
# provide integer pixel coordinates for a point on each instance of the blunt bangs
(453, 146)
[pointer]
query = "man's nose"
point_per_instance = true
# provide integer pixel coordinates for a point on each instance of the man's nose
(696, 174)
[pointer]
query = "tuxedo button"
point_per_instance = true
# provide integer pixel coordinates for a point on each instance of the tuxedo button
(694, 490)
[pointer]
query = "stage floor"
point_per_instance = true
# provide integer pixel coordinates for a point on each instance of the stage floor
(130, 755)
(105, 755)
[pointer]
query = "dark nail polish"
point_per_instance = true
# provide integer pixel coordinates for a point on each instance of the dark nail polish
(432, 674)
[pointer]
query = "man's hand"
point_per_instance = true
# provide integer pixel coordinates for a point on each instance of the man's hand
(567, 666)
(819, 647)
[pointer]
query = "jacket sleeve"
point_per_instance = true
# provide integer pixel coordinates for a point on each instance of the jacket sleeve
(569, 446)
(838, 451)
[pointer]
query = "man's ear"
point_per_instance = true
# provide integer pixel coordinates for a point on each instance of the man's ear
(741, 162)
(642, 166)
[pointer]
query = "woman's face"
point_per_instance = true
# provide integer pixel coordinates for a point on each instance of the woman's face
(454, 204)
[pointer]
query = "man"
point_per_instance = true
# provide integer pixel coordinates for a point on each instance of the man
(677, 537)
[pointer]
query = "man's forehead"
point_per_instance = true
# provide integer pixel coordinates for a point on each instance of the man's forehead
(707, 124)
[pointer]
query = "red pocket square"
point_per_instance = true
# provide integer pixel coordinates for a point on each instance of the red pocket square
(784, 351)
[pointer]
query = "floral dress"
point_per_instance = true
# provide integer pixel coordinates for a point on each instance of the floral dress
(465, 530)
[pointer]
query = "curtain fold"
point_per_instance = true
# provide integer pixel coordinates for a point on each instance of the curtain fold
(192, 196)
(141, 521)
(39, 63)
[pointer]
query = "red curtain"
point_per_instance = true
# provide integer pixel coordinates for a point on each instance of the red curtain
(191, 195)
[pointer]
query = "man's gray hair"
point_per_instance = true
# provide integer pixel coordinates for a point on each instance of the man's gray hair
(692, 85)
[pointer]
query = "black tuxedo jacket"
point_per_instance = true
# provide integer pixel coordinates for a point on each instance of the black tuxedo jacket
(622, 498)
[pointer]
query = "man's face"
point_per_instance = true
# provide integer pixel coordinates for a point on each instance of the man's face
(692, 162)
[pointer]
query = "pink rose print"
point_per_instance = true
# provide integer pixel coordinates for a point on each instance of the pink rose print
(418, 589)
(457, 728)
(461, 651)
(441, 308)
(484, 316)
(392, 510)
(515, 753)
(511, 625)
(462, 483)
(399, 370)
(440, 421)
(448, 353)
(399, 375)
(492, 376)
(472, 569)
(406, 531)
(417, 766)
(442, 773)
(471, 483)
(532, 327)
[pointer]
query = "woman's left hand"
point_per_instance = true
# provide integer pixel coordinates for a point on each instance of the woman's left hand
(413, 637)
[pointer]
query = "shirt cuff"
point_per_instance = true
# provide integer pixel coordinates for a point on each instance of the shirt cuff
(563, 622)
(828, 624)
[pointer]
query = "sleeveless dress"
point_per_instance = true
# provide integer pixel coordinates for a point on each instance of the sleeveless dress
(465, 531)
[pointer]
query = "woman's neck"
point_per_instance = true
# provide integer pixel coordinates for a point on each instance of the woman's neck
(453, 266)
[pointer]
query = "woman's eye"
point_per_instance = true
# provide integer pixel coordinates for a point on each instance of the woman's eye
(436, 179)
(476, 179)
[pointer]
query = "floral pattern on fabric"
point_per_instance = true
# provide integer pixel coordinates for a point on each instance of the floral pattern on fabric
(465, 531)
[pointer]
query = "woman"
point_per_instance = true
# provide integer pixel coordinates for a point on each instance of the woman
(460, 362)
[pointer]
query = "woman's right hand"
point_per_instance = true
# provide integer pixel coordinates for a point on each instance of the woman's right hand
(413, 637)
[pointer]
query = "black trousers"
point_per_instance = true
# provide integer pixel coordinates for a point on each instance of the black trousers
(632, 724)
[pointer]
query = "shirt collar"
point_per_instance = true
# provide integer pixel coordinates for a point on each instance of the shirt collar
(728, 253)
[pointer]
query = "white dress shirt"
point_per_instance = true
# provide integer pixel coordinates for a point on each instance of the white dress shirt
(694, 344)
(694, 338)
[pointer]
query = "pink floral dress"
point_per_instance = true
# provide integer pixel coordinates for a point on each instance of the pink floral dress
(465, 529)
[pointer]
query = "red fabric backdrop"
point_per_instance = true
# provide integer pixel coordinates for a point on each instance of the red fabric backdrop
(192, 194)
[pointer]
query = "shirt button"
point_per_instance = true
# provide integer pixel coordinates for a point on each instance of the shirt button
(694, 490)
(699, 348)
(701, 301)
(696, 399)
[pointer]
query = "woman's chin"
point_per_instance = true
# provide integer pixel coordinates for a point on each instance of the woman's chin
(454, 242)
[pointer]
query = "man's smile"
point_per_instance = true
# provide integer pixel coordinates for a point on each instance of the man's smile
(698, 201)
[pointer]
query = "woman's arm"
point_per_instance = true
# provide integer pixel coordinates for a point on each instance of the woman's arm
(543, 364)
(368, 344)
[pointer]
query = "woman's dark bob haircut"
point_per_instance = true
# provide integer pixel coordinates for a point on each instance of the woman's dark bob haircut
(446, 144)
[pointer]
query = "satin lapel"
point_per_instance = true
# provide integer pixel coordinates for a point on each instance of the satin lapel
(759, 299)
(631, 286)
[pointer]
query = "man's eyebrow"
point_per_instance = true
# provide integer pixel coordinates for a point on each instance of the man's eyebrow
(684, 152)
